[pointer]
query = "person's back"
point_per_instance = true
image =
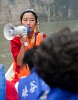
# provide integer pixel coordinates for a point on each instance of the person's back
(61, 94)
(56, 61)
(31, 86)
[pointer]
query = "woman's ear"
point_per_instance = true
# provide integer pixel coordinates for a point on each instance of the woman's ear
(20, 22)
(36, 28)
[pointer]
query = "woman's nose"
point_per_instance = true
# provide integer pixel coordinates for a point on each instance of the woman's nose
(28, 22)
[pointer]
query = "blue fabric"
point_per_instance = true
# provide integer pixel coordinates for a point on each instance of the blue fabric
(31, 87)
(59, 94)
(2, 82)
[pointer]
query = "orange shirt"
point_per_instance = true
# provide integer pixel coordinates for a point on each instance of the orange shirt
(15, 48)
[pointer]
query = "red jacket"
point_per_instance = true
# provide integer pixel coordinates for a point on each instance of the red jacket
(11, 93)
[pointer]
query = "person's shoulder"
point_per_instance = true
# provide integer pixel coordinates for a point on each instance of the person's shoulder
(29, 77)
(16, 40)
(42, 34)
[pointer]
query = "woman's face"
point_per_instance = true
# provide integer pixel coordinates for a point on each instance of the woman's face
(29, 20)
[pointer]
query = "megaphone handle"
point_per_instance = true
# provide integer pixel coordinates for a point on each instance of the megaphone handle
(25, 44)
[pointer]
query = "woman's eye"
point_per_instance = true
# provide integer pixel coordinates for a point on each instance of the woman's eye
(24, 20)
(32, 20)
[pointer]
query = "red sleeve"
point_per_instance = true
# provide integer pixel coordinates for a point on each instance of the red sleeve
(15, 47)
(44, 35)
(11, 93)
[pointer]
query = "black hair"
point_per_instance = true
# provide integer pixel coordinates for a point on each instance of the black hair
(29, 11)
(28, 56)
(56, 60)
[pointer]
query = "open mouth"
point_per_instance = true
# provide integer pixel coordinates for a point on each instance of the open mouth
(30, 27)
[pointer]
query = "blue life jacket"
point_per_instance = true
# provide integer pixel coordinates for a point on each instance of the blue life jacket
(60, 94)
(2, 83)
(30, 87)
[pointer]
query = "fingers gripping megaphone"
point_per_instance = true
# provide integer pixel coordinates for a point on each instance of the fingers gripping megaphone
(10, 31)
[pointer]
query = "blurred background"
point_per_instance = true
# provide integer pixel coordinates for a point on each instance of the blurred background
(52, 15)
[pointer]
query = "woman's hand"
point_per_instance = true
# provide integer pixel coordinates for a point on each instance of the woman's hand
(22, 39)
